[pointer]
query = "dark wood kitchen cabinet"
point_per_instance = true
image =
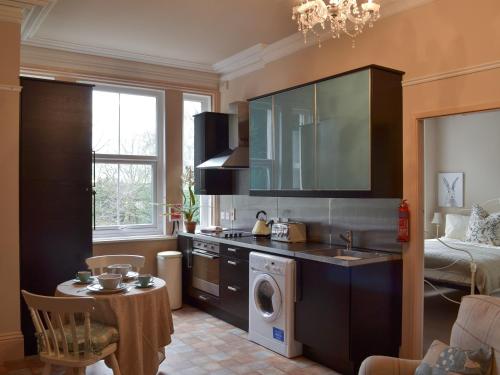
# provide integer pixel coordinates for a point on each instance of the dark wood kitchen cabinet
(234, 270)
(232, 303)
(356, 310)
(336, 137)
(211, 137)
(55, 187)
(185, 246)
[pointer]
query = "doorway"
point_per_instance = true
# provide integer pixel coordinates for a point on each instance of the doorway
(460, 170)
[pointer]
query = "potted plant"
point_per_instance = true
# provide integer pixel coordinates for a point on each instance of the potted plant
(190, 207)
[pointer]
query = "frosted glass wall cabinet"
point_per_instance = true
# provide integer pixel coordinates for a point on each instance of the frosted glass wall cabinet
(337, 137)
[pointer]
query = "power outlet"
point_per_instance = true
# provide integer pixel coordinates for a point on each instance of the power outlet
(232, 214)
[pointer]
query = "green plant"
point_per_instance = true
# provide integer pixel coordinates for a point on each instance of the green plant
(190, 207)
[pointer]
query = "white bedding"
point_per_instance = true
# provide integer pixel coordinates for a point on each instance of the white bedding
(486, 257)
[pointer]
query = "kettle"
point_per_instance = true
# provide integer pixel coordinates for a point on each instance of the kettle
(262, 227)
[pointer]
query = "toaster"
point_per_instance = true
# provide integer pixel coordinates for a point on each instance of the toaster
(289, 232)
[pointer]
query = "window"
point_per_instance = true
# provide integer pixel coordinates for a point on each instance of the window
(127, 138)
(194, 104)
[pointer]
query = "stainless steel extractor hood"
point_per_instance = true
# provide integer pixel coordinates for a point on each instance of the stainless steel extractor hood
(236, 156)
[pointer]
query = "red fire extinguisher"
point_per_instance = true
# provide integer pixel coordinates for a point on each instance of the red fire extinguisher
(404, 222)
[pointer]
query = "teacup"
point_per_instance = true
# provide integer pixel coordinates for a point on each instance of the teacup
(144, 279)
(84, 276)
(121, 269)
(109, 280)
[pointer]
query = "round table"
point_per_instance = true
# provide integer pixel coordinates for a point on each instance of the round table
(143, 318)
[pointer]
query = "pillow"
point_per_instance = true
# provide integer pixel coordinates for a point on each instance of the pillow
(456, 226)
(497, 234)
(482, 226)
(442, 359)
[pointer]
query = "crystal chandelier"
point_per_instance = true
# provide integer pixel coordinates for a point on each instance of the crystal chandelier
(341, 16)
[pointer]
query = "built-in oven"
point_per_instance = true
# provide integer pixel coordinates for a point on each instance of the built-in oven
(205, 267)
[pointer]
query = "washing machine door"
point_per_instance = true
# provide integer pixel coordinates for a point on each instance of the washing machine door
(267, 297)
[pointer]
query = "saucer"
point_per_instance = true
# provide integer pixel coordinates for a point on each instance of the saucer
(78, 281)
(97, 288)
(150, 285)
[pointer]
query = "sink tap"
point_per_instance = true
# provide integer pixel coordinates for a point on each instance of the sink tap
(347, 237)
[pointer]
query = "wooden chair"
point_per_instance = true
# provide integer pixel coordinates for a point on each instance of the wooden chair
(99, 263)
(66, 334)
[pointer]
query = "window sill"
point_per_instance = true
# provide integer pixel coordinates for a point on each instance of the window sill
(132, 239)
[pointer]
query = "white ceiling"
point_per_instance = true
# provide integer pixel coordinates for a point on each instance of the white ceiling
(191, 34)
(202, 32)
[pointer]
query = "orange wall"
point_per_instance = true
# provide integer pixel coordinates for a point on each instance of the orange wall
(439, 37)
(11, 340)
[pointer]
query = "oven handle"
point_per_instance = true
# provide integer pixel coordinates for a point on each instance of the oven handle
(204, 254)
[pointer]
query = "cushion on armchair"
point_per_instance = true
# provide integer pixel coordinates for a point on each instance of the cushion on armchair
(100, 335)
(442, 359)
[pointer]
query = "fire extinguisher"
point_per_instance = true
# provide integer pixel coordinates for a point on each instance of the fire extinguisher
(404, 222)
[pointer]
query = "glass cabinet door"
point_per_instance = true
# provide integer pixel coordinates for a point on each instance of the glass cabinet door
(294, 139)
(343, 133)
(261, 144)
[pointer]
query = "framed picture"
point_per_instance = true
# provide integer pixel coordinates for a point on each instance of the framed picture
(451, 189)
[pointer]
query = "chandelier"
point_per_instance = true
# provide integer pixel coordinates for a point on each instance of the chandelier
(341, 16)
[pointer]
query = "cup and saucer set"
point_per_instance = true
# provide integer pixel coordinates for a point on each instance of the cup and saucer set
(114, 281)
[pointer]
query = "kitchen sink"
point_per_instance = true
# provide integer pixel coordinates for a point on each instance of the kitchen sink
(345, 254)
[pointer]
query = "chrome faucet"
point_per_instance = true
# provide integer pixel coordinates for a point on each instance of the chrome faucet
(347, 237)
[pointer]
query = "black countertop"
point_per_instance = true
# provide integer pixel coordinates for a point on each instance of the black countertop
(316, 251)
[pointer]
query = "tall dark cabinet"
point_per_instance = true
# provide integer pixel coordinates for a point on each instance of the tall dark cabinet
(211, 137)
(55, 187)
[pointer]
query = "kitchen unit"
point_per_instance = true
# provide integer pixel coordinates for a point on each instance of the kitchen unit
(56, 187)
(354, 297)
(217, 280)
(337, 137)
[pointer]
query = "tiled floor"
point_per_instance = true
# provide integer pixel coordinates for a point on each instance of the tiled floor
(203, 344)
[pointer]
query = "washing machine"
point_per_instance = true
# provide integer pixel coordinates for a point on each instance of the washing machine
(271, 304)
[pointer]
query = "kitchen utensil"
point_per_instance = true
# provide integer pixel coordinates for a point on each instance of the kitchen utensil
(109, 280)
(289, 232)
(262, 227)
(121, 269)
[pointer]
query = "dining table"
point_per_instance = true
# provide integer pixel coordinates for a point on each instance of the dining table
(142, 316)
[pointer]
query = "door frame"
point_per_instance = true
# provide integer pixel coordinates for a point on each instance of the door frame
(413, 252)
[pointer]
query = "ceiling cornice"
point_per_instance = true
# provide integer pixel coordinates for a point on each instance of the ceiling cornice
(69, 63)
(116, 54)
(258, 56)
(242, 63)
(34, 18)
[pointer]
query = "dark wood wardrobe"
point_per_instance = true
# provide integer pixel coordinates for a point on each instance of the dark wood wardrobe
(55, 187)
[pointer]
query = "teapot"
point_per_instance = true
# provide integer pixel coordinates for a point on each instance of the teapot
(262, 227)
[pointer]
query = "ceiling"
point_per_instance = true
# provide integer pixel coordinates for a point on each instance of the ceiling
(191, 34)
(194, 31)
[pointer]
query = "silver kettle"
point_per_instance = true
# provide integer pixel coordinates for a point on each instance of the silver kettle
(262, 227)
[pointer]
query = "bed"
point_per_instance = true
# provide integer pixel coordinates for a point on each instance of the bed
(452, 268)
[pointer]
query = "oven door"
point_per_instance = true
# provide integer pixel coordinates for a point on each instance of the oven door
(206, 271)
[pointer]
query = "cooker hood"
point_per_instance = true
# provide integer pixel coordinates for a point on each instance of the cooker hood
(236, 155)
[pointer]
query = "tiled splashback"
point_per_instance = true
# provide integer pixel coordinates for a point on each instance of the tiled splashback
(373, 221)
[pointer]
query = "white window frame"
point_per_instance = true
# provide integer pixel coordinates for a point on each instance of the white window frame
(157, 228)
(207, 102)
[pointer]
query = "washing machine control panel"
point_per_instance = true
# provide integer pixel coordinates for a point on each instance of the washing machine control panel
(269, 263)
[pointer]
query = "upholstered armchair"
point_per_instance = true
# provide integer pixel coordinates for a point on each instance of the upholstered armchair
(477, 325)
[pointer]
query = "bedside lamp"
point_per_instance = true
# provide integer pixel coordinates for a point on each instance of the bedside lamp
(437, 220)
